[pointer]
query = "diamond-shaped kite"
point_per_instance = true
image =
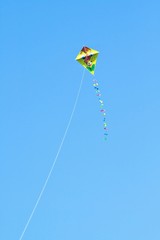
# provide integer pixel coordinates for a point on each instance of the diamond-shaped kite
(87, 57)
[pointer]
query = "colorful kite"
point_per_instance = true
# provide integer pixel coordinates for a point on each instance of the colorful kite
(87, 57)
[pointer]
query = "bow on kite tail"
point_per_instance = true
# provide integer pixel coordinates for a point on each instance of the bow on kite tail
(87, 57)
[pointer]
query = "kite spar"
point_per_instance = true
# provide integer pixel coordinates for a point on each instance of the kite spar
(87, 57)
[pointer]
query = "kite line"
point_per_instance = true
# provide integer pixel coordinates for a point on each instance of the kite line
(54, 161)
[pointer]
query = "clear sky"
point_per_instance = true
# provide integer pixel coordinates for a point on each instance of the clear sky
(99, 190)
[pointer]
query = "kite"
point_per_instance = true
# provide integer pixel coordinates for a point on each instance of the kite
(87, 57)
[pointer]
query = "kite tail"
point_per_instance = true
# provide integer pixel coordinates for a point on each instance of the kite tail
(102, 110)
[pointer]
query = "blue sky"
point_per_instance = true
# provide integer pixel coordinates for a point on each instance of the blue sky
(99, 189)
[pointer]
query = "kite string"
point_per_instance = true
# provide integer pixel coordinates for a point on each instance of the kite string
(55, 159)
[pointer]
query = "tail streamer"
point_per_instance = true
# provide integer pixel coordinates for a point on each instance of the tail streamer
(102, 110)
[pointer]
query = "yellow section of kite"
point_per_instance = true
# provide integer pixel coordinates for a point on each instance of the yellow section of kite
(87, 57)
